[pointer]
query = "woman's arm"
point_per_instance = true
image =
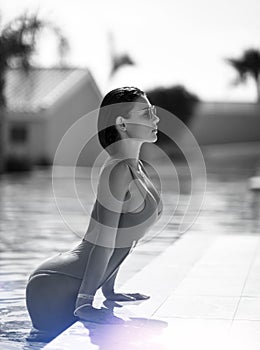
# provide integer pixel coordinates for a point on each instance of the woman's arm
(108, 281)
(113, 185)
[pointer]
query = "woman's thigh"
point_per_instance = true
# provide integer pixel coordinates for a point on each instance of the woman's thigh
(50, 300)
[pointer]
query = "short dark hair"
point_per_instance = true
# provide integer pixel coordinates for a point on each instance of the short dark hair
(117, 100)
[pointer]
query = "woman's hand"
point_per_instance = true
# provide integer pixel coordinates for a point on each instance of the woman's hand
(126, 296)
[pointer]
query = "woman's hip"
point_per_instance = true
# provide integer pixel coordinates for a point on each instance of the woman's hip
(50, 283)
(65, 263)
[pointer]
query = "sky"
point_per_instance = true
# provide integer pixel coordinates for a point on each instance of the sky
(171, 41)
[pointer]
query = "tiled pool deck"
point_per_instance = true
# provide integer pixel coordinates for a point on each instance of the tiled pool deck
(205, 288)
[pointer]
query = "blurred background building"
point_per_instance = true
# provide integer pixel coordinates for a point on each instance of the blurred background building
(190, 59)
(42, 106)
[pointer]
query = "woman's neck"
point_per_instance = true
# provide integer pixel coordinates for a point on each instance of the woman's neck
(128, 150)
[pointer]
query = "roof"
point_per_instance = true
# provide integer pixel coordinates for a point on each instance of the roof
(41, 87)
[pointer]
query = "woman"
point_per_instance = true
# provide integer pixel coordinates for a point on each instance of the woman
(61, 290)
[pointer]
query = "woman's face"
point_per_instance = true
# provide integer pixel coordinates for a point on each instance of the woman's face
(142, 120)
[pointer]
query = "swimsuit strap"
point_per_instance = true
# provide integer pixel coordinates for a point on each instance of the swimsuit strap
(128, 163)
(125, 160)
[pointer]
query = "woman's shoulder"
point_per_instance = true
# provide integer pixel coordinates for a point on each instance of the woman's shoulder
(113, 161)
(116, 171)
(113, 184)
(118, 166)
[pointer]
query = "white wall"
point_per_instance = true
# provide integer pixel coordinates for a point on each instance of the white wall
(37, 140)
(216, 123)
(34, 146)
(82, 98)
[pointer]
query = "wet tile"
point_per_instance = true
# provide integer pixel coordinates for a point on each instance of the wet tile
(248, 309)
(252, 287)
(245, 335)
(222, 286)
(198, 307)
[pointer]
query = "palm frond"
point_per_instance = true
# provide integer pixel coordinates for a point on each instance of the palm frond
(119, 61)
(19, 38)
(248, 65)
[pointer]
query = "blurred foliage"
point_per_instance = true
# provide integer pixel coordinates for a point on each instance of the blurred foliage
(18, 43)
(178, 101)
(118, 59)
(248, 65)
(175, 99)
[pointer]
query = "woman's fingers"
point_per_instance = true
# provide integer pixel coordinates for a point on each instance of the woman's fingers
(138, 296)
(128, 297)
(121, 297)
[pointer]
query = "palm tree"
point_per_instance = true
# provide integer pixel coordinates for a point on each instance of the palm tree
(118, 59)
(248, 65)
(18, 41)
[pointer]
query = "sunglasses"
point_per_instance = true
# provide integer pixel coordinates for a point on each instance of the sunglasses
(151, 111)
